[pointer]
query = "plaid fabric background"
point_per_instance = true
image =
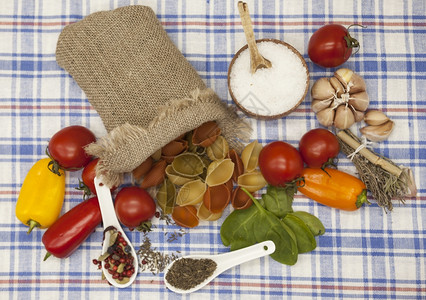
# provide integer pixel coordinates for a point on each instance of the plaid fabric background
(363, 255)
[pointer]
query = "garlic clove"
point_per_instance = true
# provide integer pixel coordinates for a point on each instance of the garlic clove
(322, 89)
(356, 84)
(375, 117)
(378, 133)
(359, 115)
(359, 101)
(318, 105)
(412, 188)
(326, 116)
(344, 117)
(344, 75)
(337, 85)
(352, 82)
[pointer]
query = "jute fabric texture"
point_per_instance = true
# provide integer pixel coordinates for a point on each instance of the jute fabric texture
(143, 88)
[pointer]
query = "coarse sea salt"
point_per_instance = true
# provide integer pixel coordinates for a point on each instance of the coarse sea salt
(273, 91)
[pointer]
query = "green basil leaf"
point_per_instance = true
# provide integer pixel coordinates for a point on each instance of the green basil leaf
(279, 200)
(269, 227)
(239, 226)
(305, 239)
(313, 223)
(254, 225)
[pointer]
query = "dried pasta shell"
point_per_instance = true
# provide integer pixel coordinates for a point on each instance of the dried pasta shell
(206, 160)
(181, 137)
(240, 199)
(188, 164)
(142, 169)
(156, 155)
(219, 149)
(188, 138)
(216, 198)
(175, 178)
(206, 134)
(185, 216)
(168, 159)
(204, 214)
(219, 172)
(200, 150)
(230, 185)
(252, 181)
(155, 176)
(250, 155)
(166, 196)
(174, 148)
(238, 164)
(191, 193)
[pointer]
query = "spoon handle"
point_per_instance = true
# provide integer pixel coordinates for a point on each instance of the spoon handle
(233, 258)
(109, 218)
(256, 59)
(248, 27)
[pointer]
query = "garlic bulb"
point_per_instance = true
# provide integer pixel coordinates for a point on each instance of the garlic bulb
(340, 100)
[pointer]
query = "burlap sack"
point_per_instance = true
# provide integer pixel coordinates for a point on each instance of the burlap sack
(143, 88)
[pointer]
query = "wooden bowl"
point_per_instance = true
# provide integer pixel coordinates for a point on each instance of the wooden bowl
(260, 116)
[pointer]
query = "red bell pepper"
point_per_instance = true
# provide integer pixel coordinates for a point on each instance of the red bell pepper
(72, 229)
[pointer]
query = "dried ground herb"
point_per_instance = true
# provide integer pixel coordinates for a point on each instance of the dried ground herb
(153, 260)
(187, 273)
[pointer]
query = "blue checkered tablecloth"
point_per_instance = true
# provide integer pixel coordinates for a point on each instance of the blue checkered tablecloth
(364, 254)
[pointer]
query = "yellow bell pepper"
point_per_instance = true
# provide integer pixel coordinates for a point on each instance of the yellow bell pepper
(41, 197)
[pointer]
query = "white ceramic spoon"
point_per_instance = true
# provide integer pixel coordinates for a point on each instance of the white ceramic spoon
(109, 218)
(224, 262)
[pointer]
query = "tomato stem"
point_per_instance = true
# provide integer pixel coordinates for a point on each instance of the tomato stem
(145, 226)
(54, 166)
(83, 187)
(329, 163)
(352, 42)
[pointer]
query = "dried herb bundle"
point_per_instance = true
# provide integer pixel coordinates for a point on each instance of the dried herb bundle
(384, 179)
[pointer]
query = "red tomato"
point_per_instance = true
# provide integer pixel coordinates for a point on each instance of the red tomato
(318, 147)
(66, 147)
(133, 206)
(331, 45)
(280, 163)
(88, 178)
(88, 175)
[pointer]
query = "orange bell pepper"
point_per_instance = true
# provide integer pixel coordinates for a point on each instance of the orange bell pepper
(334, 188)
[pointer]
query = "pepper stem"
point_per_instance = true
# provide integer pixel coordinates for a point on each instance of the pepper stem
(48, 254)
(32, 224)
(361, 199)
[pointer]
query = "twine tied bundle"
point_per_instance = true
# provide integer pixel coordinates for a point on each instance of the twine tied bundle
(143, 88)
